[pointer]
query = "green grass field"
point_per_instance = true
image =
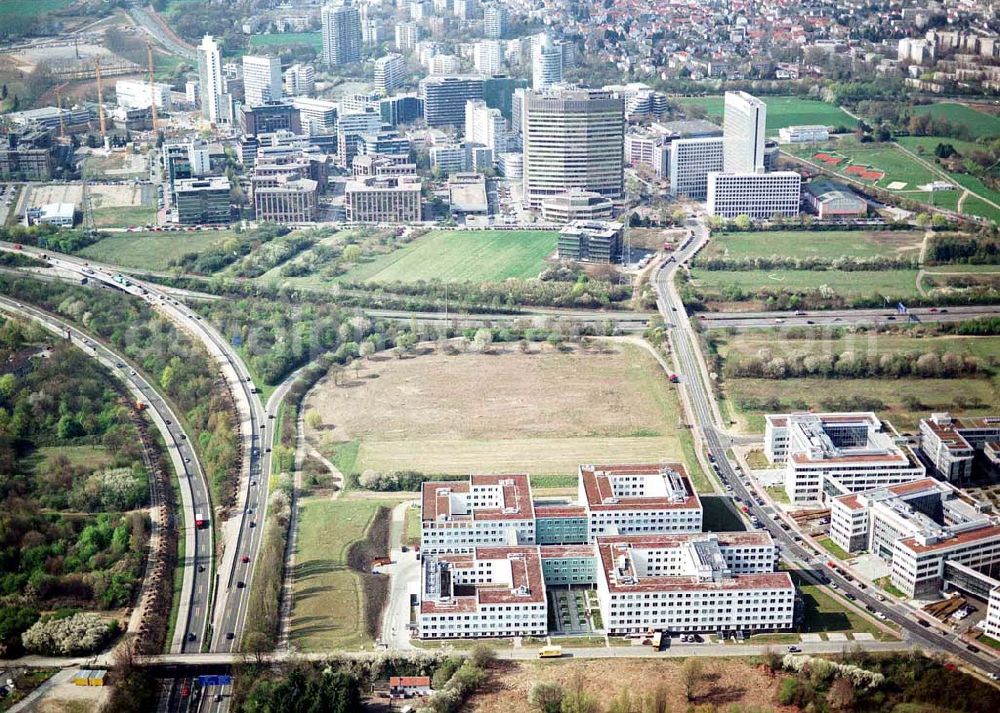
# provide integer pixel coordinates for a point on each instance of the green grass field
(461, 255)
(888, 158)
(20, 10)
(893, 283)
(285, 39)
(328, 608)
(803, 243)
(151, 251)
(898, 395)
(782, 111)
(977, 206)
(979, 124)
(826, 612)
(930, 143)
(92, 457)
(123, 217)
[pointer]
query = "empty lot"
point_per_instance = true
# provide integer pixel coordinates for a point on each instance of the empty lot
(543, 413)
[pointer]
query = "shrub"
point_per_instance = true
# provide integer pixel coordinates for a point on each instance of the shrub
(72, 636)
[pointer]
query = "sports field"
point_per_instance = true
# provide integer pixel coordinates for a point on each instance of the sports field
(979, 124)
(781, 111)
(152, 251)
(21, 10)
(285, 39)
(863, 283)
(462, 255)
(542, 413)
(900, 396)
(827, 244)
(888, 163)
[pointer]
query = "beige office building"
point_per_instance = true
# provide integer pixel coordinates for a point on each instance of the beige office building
(383, 199)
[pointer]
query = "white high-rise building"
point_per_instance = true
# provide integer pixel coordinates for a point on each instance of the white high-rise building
(494, 21)
(389, 73)
(407, 36)
(743, 131)
(573, 139)
(546, 62)
(487, 57)
(485, 126)
(300, 80)
(210, 81)
(261, 79)
(136, 94)
(341, 34)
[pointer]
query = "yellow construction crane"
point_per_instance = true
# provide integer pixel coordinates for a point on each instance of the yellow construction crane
(100, 99)
(152, 84)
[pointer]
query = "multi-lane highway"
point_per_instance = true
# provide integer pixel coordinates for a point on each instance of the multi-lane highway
(793, 549)
(844, 317)
(193, 607)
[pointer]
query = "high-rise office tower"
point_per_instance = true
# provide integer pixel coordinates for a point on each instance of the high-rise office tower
(445, 97)
(407, 36)
(341, 34)
(261, 79)
(546, 62)
(573, 139)
(743, 133)
(210, 81)
(485, 126)
(486, 57)
(389, 73)
(494, 21)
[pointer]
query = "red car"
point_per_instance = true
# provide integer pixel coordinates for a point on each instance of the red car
(245, 559)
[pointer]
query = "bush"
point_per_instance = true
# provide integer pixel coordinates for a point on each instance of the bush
(73, 636)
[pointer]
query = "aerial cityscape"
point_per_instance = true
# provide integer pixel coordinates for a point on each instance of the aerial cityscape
(493, 355)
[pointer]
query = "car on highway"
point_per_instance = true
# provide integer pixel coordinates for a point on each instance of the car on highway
(253, 524)
(241, 585)
(230, 636)
(245, 559)
(191, 637)
(201, 568)
(794, 649)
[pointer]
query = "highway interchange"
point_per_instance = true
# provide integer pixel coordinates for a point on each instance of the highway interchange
(216, 588)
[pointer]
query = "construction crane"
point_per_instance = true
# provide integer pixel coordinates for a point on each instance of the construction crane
(100, 100)
(152, 85)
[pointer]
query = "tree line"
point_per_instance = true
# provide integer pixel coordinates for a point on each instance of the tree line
(851, 365)
(844, 263)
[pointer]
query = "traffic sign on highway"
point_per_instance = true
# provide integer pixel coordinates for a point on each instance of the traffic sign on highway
(215, 680)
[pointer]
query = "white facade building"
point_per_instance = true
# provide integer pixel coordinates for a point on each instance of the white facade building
(261, 79)
(485, 126)
(495, 19)
(803, 134)
(444, 65)
(691, 160)
(341, 34)
(213, 103)
(407, 36)
(546, 62)
(300, 80)
(830, 454)
(135, 94)
(317, 116)
(951, 443)
(487, 58)
(389, 73)
(743, 127)
(758, 195)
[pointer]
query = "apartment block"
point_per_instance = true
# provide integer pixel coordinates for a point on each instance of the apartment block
(390, 71)
(831, 454)
(445, 97)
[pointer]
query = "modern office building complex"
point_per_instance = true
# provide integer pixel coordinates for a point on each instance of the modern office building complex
(803, 134)
(591, 241)
(389, 73)
(485, 126)
(300, 80)
(136, 94)
(831, 454)
(490, 556)
(929, 533)
(262, 81)
(691, 160)
(757, 195)
(573, 138)
(383, 199)
(288, 199)
(202, 201)
(341, 34)
(575, 204)
(951, 444)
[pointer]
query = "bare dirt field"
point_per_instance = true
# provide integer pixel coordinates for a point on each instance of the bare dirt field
(725, 683)
(56, 193)
(544, 412)
(114, 196)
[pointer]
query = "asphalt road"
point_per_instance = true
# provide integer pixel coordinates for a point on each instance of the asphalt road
(843, 318)
(193, 608)
(810, 563)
